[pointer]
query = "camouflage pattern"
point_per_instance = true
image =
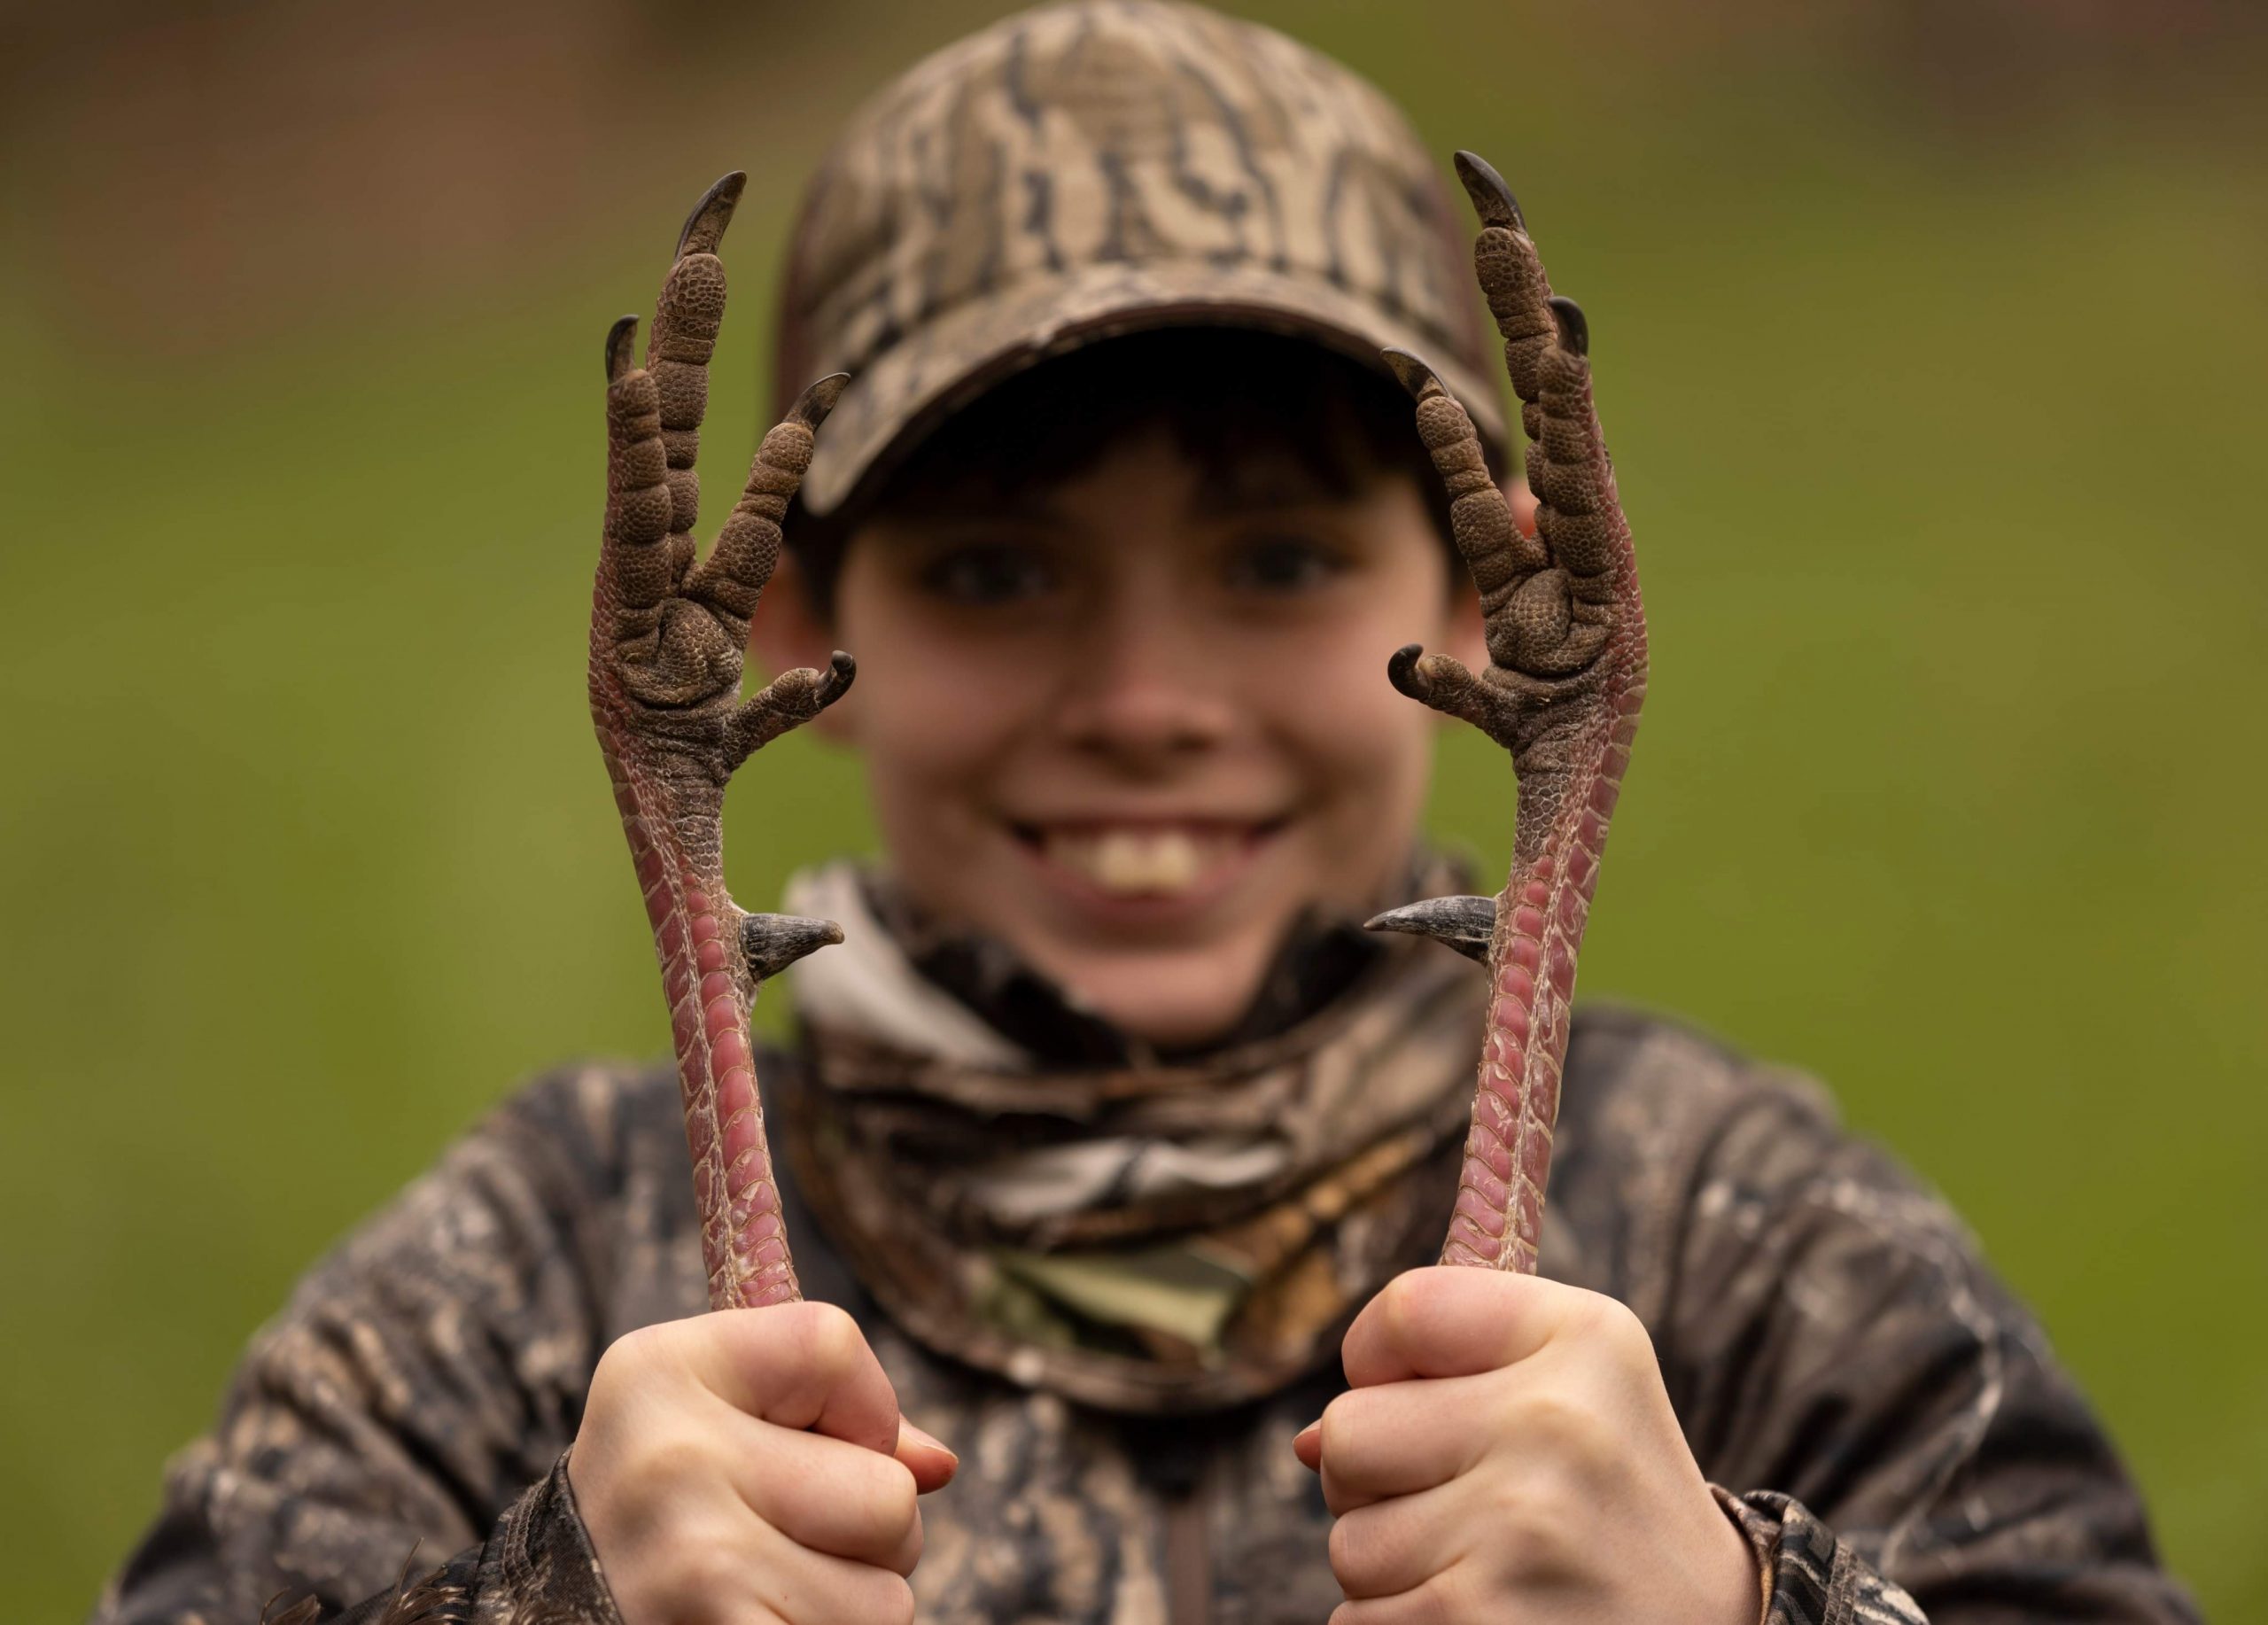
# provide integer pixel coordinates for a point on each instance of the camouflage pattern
(1024, 1209)
(1100, 167)
(1893, 1434)
(1904, 1443)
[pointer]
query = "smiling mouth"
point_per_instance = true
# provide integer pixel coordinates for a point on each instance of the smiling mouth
(1165, 859)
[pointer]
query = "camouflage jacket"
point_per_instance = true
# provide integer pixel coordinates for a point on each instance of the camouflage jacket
(1898, 1442)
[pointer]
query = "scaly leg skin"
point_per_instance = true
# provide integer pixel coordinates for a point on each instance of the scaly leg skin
(1566, 672)
(667, 639)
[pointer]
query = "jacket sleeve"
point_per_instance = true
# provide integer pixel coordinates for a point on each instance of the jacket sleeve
(1884, 1412)
(1808, 1576)
(413, 1404)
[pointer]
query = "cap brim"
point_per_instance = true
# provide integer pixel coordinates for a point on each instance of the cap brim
(895, 398)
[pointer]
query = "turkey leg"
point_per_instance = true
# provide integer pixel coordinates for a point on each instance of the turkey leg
(1566, 672)
(668, 637)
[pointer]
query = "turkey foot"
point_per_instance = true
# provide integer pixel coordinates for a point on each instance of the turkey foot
(1566, 672)
(669, 632)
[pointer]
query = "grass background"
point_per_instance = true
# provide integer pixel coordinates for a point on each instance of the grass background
(1935, 390)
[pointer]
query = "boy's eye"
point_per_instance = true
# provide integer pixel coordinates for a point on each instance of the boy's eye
(989, 574)
(1287, 564)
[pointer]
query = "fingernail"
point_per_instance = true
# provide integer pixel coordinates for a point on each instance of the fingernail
(922, 1436)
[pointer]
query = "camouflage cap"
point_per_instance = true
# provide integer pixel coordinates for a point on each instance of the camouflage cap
(1101, 166)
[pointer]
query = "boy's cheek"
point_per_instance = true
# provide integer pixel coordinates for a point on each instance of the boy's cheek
(934, 707)
(1334, 701)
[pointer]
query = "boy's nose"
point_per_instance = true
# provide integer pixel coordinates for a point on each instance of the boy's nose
(1144, 693)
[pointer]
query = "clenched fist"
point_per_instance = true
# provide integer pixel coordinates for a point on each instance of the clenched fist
(750, 1464)
(1508, 1453)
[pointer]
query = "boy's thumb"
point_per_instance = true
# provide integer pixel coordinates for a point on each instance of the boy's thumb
(925, 1456)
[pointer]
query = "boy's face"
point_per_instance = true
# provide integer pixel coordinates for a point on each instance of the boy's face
(1135, 725)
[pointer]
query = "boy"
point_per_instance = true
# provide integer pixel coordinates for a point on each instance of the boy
(1108, 1138)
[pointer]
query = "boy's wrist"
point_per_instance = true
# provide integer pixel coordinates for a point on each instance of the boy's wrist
(1757, 1535)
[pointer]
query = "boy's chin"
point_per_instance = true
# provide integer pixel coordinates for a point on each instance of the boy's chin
(1173, 998)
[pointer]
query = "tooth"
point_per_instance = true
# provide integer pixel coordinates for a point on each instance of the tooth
(1175, 864)
(1133, 861)
(1120, 862)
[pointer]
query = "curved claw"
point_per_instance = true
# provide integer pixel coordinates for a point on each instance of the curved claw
(1492, 199)
(617, 348)
(773, 941)
(812, 406)
(1466, 924)
(1414, 376)
(1575, 326)
(1445, 684)
(1402, 671)
(705, 228)
(834, 683)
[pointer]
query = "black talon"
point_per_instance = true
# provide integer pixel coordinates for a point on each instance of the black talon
(710, 216)
(1401, 671)
(1415, 375)
(1466, 924)
(835, 682)
(1492, 199)
(773, 941)
(1575, 326)
(812, 406)
(617, 348)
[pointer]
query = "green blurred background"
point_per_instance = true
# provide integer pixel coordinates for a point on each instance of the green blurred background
(1930, 340)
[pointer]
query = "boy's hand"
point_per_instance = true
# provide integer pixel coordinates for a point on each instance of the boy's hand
(750, 1464)
(1507, 1453)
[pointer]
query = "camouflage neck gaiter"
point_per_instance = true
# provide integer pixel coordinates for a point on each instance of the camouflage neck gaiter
(1140, 1233)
